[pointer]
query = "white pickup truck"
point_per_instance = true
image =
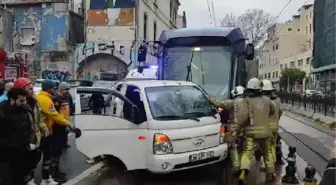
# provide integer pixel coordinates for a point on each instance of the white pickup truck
(158, 126)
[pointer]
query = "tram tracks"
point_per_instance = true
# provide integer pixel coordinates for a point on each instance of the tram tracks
(310, 149)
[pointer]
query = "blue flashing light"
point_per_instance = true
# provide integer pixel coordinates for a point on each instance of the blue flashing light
(154, 67)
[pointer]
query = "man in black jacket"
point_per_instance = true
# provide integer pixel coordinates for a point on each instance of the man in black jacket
(329, 175)
(17, 138)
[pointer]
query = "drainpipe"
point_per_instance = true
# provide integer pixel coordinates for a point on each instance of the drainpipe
(85, 36)
(136, 31)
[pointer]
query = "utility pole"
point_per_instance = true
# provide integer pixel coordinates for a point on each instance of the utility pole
(136, 31)
(85, 36)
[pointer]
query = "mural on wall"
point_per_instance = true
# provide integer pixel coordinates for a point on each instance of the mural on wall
(31, 1)
(56, 75)
(110, 12)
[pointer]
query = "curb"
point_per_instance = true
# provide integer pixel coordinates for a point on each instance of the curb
(326, 131)
(85, 174)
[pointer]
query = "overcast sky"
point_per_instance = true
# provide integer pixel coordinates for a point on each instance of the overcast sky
(198, 14)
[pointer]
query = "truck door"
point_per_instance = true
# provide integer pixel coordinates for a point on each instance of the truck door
(105, 133)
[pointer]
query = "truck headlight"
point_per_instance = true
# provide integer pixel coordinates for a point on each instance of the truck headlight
(162, 145)
(222, 134)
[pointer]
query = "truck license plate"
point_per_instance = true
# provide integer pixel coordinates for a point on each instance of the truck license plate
(201, 156)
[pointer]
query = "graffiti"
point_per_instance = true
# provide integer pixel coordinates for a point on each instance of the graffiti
(122, 50)
(110, 12)
(56, 75)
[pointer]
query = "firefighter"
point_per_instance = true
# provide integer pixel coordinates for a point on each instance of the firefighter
(231, 105)
(237, 95)
(276, 149)
(253, 120)
(50, 160)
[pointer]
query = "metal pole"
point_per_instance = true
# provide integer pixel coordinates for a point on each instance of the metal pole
(136, 25)
(85, 35)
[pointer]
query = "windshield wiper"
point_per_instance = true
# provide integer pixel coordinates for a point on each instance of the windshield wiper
(168, 117)
(189, 75)
(201, 114)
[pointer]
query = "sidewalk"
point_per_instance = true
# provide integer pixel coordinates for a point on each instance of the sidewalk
(318, 117)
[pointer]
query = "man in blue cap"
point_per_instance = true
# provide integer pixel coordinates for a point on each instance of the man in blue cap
(52, 118)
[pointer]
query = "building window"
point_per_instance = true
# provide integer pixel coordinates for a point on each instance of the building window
(308, 60)
(269, 75)
(298, 30)
(276, 74)
(281, 66)
(285, 66)
(155, 30)
(273, 48)
(306, 17)
(292, 64)
(145, 26)
(289, 29)
(28, 36)
(300, 62)
(277, 46)
(306, 30)
(273, 76)
(265, 76)
(261, 77)
(310, 28)
(310, 15)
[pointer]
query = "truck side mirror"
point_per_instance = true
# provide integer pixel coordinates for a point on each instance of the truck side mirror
(249, 52)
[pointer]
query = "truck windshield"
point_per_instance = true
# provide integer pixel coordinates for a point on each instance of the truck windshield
(210, 67)
(178, 102)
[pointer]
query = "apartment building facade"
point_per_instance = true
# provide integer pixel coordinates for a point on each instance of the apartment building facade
(289, 45)
(45, 31)
(115, 29)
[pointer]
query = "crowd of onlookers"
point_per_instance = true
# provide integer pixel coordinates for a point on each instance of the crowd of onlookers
(33, 127)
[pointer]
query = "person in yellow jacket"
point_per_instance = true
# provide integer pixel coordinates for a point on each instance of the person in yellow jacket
(268, 92)
(52, 117)
(253, 121)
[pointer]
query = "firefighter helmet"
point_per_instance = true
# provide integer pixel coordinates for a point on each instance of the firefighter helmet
(254, 83)
(267, 85)
(239, 90)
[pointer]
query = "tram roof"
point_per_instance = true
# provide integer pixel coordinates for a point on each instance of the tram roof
(196, 32)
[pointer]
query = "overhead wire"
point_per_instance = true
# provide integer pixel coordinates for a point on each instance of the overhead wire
(305, 3)
(209, 10)
(213, 13)
(276, 18)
